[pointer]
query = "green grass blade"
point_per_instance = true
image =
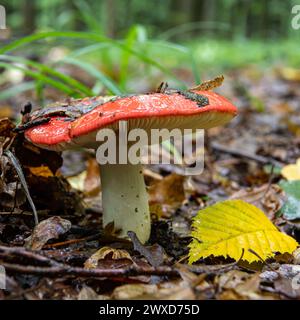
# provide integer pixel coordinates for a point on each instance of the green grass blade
(87, 36)
(48, 70)
(105, 80)
(38, 76)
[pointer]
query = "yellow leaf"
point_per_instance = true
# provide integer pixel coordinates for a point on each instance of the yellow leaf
(229, 227)
(291, 171)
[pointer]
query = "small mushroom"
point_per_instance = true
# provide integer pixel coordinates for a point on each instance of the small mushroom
(124, 195)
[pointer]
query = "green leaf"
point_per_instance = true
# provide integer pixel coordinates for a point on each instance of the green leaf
(291, 208)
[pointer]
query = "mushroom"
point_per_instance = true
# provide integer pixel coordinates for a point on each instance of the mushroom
(124, 195)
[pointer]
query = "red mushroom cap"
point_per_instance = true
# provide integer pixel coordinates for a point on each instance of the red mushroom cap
(158, 110)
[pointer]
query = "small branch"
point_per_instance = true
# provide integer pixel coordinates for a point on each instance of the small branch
(22, 252)
(244, 154)
(16, 164)
(98, 273)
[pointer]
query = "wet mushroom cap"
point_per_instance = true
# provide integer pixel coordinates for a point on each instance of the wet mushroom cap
(195, 110)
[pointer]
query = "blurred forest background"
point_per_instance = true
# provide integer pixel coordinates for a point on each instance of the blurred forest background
(175, 19)
(81, 48)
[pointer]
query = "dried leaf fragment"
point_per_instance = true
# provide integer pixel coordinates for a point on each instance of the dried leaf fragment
(210, 84)
(48, 229)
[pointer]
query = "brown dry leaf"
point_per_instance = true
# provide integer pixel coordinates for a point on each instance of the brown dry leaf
(250, 288)
(210, 84)
(239, 285)
(231, 279)
(42, 171)
(288, 287)
(109, 254)
(156, 209)
(46, 230)
(169, 191)
(269, 198)
(134, 291)
(87, 293)
(92, 185)
(6, 111)
(178, 290)
(10, 196)
(6, 127)
(154, 254)
(296, 255)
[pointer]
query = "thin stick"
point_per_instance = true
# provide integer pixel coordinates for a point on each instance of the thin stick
(23, 252)
(261, 259)
(72, 241)
(81, 272)
(15, 162)
(244, 154)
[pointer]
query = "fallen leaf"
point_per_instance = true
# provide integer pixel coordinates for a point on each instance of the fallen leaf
(92, 180)
(291, 207)
(77, 182)
(287, 287)
(291, 171)
(179, 290)
(42, 171)
(210, 84)
(46, 230)
(250, 288)
(107, 252)
(87, 293)
(296, 255)
(267, 197)
(6, 111)
(231, 279)
(134, 291)
(229, 227)
(154, 254)
(168, 191)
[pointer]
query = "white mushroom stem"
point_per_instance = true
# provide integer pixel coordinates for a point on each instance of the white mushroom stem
(125, 199)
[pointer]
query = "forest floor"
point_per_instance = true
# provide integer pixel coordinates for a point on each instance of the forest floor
(69, 255)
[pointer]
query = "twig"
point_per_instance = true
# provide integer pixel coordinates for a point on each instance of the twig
(23, 252)
(15, 162)
(261, 259)
(72, 241)
(81, 272)
(269, 182)
(244, 154)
